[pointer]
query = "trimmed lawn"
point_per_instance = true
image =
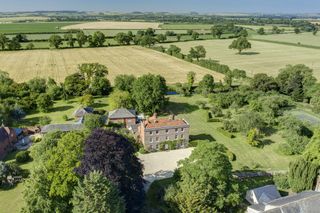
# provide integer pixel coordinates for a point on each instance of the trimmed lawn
(61, 108)
(266, 158)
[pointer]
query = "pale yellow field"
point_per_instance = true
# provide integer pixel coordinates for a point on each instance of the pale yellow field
(22, 18)
(113, 25)
(25, 65)
(264, 57)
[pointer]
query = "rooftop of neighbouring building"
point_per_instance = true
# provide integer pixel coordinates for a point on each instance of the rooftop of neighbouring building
(61, 127)
(122, 113)
(307, 201)
(82, 111)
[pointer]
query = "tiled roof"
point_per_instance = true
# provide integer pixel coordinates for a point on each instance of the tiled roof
(83, 111)
(61, 127)
(263, 194)
(165, 122)
(122, 113)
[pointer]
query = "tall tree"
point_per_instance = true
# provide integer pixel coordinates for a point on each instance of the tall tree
(69, 38)
(124, 82)
(195, 35)
(98, 39)
(198, 52)
(44, 102)
(3, 41)
(205, 183)
(114, 156)
(173, 50)
(149, 93)
(97, 194)
(120, 99)
(191, 77)
(261, 31)
(240, 44)
(81, 38)
(206, 85)
(55, 41)
(217, 31)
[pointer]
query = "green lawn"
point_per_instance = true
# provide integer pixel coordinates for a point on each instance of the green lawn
(268, 158)
(11, 200)
(61, 108)
(34, 27)
(303, 39)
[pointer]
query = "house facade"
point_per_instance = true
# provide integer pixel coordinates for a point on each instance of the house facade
(161, 133)
(123, 116)
(7, 140)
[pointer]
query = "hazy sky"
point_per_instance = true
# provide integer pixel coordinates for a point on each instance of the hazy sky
(264, 6)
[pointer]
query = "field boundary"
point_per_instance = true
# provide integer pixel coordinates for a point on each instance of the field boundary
(286, 43)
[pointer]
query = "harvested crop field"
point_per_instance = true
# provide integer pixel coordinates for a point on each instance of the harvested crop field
(114, 25)
(57, 64)
(264, 57)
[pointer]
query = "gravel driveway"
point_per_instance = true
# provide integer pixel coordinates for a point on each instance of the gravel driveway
(160, 165)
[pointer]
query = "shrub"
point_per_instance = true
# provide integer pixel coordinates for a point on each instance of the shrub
(142, 151)
(44, 120)
(231, 156)
(281, 181)
(209, 116)
(65, 118)
(23, 157)
(285, 149)
(201, 104)
(253, 137)
(216, 111)
(229, 125)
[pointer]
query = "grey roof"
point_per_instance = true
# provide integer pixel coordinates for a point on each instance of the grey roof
(263, 194)
(304, 202)
(61, 127)
(122, 113)
(83, 111)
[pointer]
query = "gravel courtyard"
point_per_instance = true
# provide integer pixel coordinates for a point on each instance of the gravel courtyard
(161, 165)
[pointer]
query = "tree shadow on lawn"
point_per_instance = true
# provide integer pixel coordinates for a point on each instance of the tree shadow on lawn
(61, 108)
(202, 137)
(266, 142)
(30, 121)
(99, 105)
(180, 108)
(268, 131)
(249, 53)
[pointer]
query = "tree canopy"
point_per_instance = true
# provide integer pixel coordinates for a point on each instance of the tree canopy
(205, 182)
(240, 44)
(97, 194)
(114, 156)
(149, 93)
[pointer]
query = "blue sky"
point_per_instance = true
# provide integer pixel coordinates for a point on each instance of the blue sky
(264, 6)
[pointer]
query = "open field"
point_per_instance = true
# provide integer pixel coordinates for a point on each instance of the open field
(33, 27)
(303, 38)
(25, 65)
(22, 18)
(177, 26)
(246, 155)
(264, 57)
(113, 25)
